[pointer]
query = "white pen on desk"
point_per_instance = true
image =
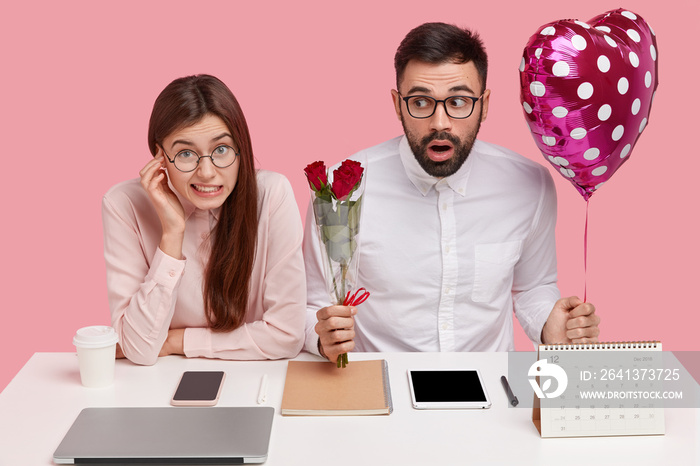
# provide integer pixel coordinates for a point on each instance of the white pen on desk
(262, 394)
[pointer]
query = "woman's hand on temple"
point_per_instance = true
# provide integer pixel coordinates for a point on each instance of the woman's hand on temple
(170, 212)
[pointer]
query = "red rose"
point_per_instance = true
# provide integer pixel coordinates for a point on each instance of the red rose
(346, 179)
(316, 174)
(354, 167)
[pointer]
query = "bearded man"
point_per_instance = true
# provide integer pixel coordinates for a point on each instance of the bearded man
(457, 234)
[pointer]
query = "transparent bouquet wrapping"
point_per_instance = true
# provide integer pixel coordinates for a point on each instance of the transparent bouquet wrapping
(338, 228)
(337, 208)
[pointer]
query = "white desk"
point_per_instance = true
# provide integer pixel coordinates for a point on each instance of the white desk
(40, 404)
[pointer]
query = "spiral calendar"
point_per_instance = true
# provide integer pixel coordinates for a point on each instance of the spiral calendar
(600, 389)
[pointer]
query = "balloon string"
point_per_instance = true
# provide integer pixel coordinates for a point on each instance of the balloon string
(585, 254)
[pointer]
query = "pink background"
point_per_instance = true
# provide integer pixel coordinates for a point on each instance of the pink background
(79, 79)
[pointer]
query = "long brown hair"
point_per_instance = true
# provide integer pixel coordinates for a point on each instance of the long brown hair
(183, 103)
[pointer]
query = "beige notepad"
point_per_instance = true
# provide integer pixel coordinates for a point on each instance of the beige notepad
(321, 389)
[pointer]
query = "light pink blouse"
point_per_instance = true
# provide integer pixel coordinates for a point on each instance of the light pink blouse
(151, 292)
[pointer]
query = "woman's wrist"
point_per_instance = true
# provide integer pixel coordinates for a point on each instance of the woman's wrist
(171, 244)
(174, 343)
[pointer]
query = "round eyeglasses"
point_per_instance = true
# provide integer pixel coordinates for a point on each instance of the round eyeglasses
(188, 160)
(456, 106)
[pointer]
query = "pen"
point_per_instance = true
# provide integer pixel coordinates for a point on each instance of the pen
(262, 394)
(512, 399)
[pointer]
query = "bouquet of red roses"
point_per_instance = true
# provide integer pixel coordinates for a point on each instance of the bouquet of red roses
(337, 207)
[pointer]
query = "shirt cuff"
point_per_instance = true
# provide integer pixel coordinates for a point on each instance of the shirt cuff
(197, 343)
(166, 270)
(311, 339)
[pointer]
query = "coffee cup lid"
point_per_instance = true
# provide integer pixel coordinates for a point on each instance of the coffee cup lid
(97, 336)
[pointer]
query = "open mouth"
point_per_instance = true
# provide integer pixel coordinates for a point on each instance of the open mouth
(206, 189)
(439, 148)
(439, 151)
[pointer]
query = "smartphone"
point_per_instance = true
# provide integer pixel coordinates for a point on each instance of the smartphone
(198, 388)
(447, 389)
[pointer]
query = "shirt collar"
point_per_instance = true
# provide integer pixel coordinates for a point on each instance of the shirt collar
(424, 182)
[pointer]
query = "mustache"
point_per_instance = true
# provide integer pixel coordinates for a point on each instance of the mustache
(443, 136)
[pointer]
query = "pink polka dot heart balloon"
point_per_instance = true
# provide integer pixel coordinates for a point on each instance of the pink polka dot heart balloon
(587, 89)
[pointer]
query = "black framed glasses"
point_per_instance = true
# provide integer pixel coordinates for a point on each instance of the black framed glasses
(456, 106)
(187, 160)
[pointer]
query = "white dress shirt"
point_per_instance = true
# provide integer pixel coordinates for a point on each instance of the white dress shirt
(447, 261)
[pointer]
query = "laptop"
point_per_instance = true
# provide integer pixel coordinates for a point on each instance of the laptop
(182, 436)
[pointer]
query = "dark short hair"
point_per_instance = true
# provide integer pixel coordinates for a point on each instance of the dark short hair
(441, 43)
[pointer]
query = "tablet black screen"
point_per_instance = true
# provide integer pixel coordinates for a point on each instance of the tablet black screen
(447, 386)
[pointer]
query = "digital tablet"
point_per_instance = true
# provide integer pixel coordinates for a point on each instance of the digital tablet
(447, 389)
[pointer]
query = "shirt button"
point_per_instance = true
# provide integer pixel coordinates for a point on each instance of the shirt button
(204, 236)
(447, 249)
(444, 206)
(172, 273)
(447, 290)
(445, 326)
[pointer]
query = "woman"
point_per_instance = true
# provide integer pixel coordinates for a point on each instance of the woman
(210, 263)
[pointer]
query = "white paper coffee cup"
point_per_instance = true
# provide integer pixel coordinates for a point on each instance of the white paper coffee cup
(96, 348)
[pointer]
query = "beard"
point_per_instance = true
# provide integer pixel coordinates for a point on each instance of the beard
(462, 148)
